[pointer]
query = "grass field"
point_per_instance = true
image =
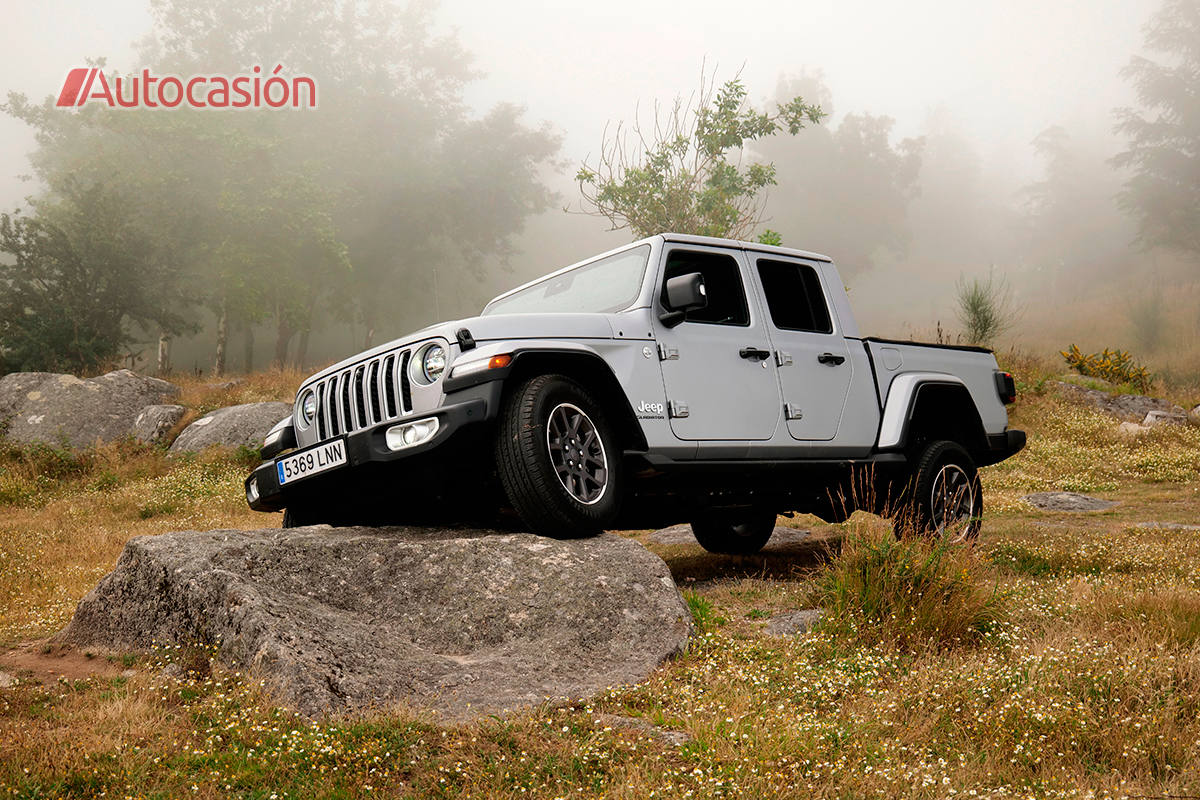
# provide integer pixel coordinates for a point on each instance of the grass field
(1062, 658)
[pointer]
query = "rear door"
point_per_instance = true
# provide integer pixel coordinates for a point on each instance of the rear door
(815, 367)
(716, 365)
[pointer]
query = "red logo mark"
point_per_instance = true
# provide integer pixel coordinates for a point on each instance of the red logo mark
(71, 86)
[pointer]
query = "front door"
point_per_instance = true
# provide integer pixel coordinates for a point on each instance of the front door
(716, 364)
(815, 367)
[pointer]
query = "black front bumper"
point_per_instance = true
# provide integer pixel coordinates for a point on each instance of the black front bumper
(365, 448)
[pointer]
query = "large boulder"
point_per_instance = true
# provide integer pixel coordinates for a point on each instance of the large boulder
(154, 423)
(234, 426)
(463, 622)
(1126, 406)
(54, 409)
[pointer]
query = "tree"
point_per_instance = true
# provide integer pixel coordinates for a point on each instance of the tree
(75, 277)
(685, 174)
(1073, 225)
(307, 217)
(844, 189)
(1163, 194)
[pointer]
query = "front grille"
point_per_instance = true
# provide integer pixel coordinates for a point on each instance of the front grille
(363, 395)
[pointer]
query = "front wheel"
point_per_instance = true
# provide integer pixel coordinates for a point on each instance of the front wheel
(945, 495)
(742, 534)
(558, 458)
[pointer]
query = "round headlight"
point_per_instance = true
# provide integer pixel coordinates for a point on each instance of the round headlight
(308, 407)
(433, 364)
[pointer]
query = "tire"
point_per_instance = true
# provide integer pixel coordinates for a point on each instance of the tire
(945, 497)
(735, 535)
(545, 424)
(293, 519)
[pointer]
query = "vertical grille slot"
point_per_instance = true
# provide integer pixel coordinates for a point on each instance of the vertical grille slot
(373, 399)
(344, 401)
(405, 386)
(389, 386)
(360, 402)
(335, 425)
(318, 392)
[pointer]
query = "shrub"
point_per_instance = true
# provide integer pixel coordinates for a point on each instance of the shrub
(1115, 366)
(912, 591)
(984, 309)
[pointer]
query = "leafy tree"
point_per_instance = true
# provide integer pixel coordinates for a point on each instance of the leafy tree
(74, 278)
(1073, 226)
(1163, 193)
(345, 212)
(685, 174)
(844, 189)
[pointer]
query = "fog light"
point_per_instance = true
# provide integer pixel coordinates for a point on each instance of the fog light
(411, 434)
(252, 490)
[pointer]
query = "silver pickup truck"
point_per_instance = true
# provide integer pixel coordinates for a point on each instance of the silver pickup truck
(678, 378)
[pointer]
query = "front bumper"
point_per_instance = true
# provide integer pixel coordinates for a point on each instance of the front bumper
(364, 447)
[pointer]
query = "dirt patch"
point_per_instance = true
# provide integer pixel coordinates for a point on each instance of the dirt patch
(43, 662)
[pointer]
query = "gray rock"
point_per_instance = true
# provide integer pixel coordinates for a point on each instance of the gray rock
(1126, 406)
(63, 408)
(1067, 501)
(1195, 413)
(153, 423)
(7, 680)
(15, 387)
(463, 622)
(793, 622)
(664, 735)
(234, 426)
(1133, 428)
(1167, 526)
(682, 534)
(1165, 417)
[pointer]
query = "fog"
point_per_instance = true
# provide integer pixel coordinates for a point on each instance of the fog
(976, 86)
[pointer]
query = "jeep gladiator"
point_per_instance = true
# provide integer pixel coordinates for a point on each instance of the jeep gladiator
(677, 378)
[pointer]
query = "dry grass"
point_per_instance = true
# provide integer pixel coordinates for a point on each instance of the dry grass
(1087, 685)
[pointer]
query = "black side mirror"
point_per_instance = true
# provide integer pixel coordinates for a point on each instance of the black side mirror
(682, 294)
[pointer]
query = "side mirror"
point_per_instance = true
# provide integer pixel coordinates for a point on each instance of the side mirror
(682, 294)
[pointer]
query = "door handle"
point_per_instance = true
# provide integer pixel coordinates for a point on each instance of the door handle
(754, 353)
(830, 358)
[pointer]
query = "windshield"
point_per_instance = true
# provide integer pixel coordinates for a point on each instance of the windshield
(610, 284)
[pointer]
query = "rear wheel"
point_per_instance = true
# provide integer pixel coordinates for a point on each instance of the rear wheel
(739, 534)
(945, 495)
(558, 458)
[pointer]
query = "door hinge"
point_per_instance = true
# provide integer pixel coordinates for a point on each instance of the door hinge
(668, 353)
(677, 410)
(783, 359)
(792, 412)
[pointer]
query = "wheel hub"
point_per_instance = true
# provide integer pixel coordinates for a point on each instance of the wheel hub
(577, 453)
(952, 502)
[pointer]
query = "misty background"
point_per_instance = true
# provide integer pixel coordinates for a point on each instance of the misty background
(962, 141)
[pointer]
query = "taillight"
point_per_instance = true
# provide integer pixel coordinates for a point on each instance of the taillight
(1006, 387)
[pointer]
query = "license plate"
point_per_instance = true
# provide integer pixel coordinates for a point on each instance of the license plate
(311, 462)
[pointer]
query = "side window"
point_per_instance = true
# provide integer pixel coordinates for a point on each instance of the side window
(722, 283)
(794, 296)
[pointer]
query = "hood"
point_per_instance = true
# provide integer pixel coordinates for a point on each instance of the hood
(491, 328)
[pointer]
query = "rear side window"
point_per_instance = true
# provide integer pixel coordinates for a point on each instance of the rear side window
(794, 296)
(722, 285)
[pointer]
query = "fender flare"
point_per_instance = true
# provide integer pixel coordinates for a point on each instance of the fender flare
(573, 360)
(901, 405)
